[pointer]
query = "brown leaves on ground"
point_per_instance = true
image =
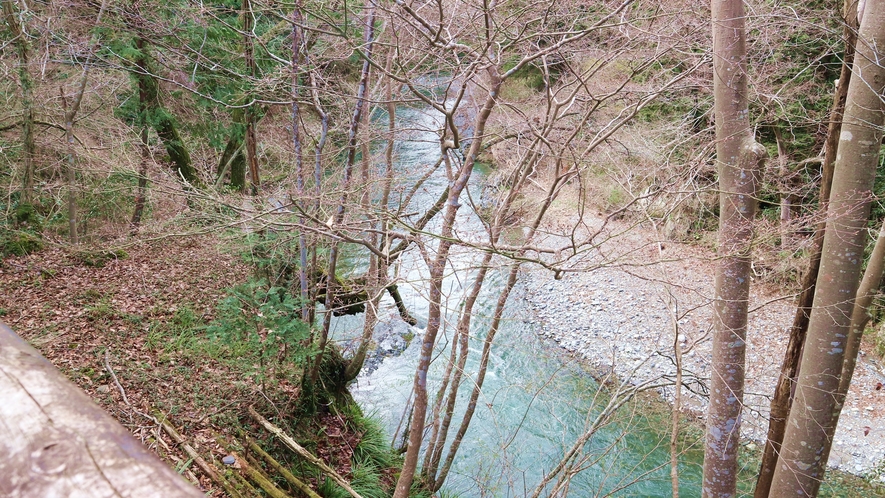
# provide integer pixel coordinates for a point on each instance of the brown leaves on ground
(85, 318)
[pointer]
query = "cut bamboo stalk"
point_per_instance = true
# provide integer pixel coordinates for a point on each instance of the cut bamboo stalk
(283, 471)
(297, 448)
(251, 468)
(207, 468)
(244, 485)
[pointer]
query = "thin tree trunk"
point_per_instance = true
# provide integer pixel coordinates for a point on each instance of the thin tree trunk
(70, 115)
(677, 401)
(437, 269)
(23, 51)
(739, 159)
(297, 41)
(70, 171)
(786, 195)
(374, 285)
(141, 189)
(377, 275)
(860, 316)
(783, 393)
(809, 432)
(338, 217)
(251, 149)
(317, 179)
(232, 159)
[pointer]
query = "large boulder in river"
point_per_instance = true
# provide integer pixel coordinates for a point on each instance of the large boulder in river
(392, 336)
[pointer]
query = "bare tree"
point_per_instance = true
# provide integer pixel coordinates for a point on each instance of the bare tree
(810, 427)
(739, 158)
(783, 393)
(70, 114)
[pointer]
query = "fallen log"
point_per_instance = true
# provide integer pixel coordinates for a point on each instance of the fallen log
(55, 441)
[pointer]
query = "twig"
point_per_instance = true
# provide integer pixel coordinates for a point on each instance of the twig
(107, 366)
(677, 400)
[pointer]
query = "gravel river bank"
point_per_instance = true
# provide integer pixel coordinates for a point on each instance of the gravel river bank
(626, 318)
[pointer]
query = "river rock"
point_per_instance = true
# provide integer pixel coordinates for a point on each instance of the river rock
(390, 338)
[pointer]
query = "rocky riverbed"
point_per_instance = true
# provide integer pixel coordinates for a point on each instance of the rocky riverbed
(627, 319)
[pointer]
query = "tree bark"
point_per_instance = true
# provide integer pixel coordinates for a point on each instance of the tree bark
(159, 118)
(70, 167)
(785, 188)
(739, 159)
(141, 189)
(317, 174)
(374, 275)
(809, 433)
(23, 51)
(70, 114)
(860, 316)
(783, 392)
(250, 118)
(297, 41)
(232, 159)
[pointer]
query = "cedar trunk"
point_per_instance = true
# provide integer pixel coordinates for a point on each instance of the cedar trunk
(739, 159)
(149, 93)
(809, 434)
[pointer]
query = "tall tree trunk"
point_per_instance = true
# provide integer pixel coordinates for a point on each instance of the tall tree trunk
(70, 115)
(860, 316)
(783, 392)
(250, 117)
(377, 276)
(232, 159)
(297, 42)
(374, 278)
(23, 51)
(317, 179)
(785, 187)
(809, 433)
(338, 217)
(70, 167)
(141, 189)
(159, 118)
(739, 159)
(437, 269)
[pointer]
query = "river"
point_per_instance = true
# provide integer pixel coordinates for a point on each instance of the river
(536, 399)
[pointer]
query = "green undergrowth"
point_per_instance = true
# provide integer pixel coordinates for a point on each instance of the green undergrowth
(21, 230)
(252, 353)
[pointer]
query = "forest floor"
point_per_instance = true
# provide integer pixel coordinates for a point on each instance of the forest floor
(140, 316)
